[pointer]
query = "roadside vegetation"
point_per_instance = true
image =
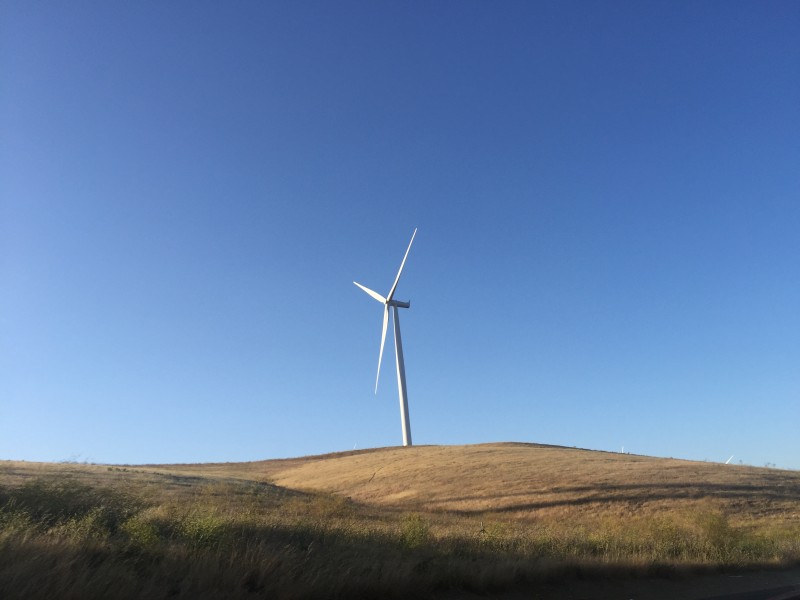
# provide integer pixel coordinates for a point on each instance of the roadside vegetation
(87, 531)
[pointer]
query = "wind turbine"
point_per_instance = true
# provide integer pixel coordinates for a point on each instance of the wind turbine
(398, 343)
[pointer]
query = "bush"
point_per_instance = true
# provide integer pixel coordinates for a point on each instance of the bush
(141, 532)
(667, 539)
(200, 530)
(717, 534)
(414, 531)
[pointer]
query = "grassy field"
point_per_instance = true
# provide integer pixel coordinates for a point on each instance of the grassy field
(393, 522)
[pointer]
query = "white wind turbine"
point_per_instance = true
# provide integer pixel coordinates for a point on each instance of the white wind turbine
(398, 344)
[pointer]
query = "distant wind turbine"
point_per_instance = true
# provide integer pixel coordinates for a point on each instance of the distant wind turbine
(398, 344)
(729, 460)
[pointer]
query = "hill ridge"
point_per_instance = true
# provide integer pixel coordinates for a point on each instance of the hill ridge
(526, 480)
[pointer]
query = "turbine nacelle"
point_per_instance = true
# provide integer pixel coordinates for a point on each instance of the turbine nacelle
(381, 299)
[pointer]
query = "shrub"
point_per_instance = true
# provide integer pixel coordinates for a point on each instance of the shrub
(201, 530)
(718, 536)
(414, 531)
(668, 541)
(141, 532)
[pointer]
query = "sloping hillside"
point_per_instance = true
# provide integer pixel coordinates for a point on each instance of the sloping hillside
(397, 523)
(529, 480)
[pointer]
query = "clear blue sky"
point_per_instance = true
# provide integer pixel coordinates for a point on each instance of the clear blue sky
(607, 196)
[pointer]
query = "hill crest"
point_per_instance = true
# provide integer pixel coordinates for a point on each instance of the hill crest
(526, 480)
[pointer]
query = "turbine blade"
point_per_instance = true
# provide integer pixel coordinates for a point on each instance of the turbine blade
(383, 340)
(372, 293)
(402, 264)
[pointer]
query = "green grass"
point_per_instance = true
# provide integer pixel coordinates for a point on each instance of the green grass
(90, 532)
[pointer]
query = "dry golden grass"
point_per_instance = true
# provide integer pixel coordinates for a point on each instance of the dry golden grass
(528, 481)
(391, 522)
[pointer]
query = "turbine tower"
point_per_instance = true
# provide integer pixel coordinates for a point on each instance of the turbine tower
(387, 302)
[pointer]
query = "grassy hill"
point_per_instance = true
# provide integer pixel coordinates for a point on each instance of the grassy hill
(529, 480)
(389, 522)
